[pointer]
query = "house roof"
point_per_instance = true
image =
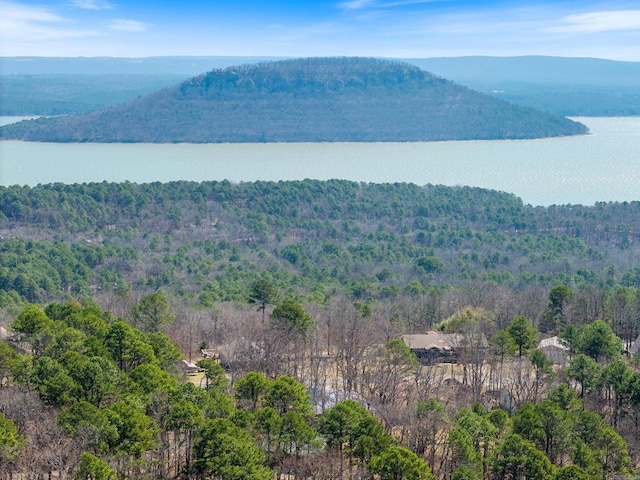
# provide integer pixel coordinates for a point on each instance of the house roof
(442, 341)
(432, 340)
(210, 352)
(552, 342)
(189, 366)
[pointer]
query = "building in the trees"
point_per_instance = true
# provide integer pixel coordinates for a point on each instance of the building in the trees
(189, 367)
(555, 350)
(435, 347)
(635, 347)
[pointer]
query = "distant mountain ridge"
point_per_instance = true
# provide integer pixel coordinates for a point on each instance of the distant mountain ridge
(561, 85)
(530, 68)
(305, 100)
(534, 69)
(564, 86)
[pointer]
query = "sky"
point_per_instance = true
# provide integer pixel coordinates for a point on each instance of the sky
(380, 28)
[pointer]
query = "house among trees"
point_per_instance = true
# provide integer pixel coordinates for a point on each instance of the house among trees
(212, 353)
(434, 347)
(189, 367)
(555, 350)
(635, 347)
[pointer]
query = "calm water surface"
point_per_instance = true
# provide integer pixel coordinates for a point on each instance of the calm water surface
(602, 166)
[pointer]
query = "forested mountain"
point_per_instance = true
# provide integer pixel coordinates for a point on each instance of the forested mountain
(335, 99)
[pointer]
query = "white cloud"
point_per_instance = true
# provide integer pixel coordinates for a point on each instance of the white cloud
(356, 4)
(404, 3)
(373, 4)
(15, 12)
(122, 25)
(605, 21)
(92, 4)
(36, 30)
(25, 24)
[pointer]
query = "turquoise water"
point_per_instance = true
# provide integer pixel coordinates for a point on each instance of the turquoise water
(602, 166)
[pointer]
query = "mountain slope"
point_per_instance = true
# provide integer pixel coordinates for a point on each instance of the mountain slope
(304, 100)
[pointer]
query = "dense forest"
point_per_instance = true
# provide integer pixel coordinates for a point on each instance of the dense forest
(304, 100)
(309, 237)
(304, 291)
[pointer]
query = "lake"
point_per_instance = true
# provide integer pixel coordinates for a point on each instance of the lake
(602, 166)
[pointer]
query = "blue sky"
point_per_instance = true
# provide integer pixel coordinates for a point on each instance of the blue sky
(384, 28)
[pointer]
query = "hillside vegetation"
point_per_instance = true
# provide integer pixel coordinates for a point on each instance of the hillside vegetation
(305, 290)
(304, 100)
(211, 241)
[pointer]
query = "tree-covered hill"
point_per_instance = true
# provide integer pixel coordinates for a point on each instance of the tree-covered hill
(339, 272)
(318, 99)
(210, 241)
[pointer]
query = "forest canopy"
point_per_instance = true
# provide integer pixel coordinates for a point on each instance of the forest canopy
(215, 240)
(294, 300)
